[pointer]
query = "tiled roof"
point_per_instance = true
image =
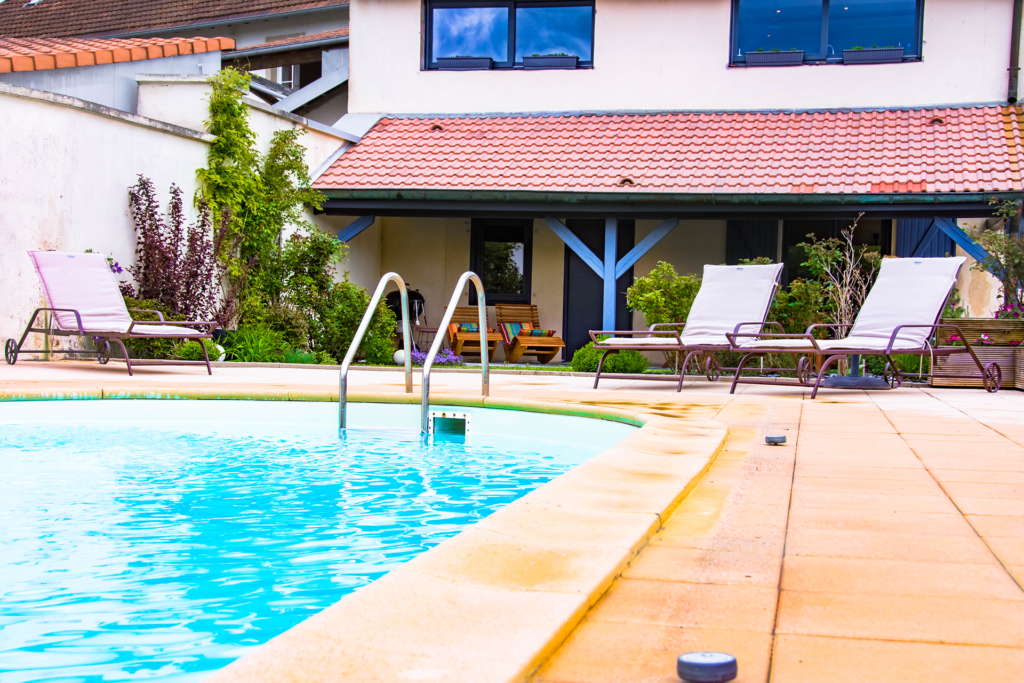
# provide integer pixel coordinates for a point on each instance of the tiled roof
(62, 18)
(297, 41)
(971, 149)
(35, 54)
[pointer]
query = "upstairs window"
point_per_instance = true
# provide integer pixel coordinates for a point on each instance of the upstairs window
(823, 29)
(507, 30)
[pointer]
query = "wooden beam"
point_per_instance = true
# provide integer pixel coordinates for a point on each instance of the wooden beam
(611, 243)
(574, 243)
(355, 227)
(645, 245)
(962, 239)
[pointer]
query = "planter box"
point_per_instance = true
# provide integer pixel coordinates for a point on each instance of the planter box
(1002, 332)
(874, 55)
(550, 62)
(1005, 356)
(465, 63)
(1018, 374)
(793, 58)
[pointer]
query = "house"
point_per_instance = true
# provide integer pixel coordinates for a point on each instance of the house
(296, 51)
(593, 138)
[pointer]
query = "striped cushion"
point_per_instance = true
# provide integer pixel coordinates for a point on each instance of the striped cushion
(538, 333)
(509, 331)
(469, 327)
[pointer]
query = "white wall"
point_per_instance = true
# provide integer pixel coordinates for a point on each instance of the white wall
(673, 54)
(65, 186)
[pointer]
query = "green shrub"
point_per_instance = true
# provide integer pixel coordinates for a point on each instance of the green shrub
(193, 350)
(624, 362)
(908, 362)
(148, 348)
(257, 344)
(289, 321)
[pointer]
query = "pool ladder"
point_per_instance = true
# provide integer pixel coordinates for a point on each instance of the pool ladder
(468, 276)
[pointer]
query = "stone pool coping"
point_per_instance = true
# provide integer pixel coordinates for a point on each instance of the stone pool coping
(495, 601)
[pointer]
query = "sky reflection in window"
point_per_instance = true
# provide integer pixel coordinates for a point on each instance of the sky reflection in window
(867, 23)
(554, 30)
(471, 32)
(779, 25)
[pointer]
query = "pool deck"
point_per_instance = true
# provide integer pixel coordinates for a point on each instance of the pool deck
(883, 542)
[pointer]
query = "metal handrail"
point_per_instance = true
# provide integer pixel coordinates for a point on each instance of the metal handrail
(356, 340)
(436, 345)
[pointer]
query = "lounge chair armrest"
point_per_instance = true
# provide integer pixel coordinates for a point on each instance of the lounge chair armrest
(78, 316)
(667, 334)
(836, 325)
(762, 324)
(933, 327)
(733, 336)
(656, 325)
(146, 310)
(210, 324)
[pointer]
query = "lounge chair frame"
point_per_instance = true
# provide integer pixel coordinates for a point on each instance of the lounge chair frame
(103, 338)
(990, 375)
(469, 342)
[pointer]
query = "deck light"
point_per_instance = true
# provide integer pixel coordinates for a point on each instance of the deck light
(775, 440)
(706, 667)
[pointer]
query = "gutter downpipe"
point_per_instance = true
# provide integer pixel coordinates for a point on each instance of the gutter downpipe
(1012, 86)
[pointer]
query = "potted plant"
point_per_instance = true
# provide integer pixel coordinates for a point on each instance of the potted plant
(775, 57)
(461, 63)
(554, 61)
(873, 55)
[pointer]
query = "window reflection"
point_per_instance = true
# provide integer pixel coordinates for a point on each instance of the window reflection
(872, 23)
(554, 30)
(470, 32)
(778, 25)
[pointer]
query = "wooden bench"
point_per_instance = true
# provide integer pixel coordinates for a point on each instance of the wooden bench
(544, 348)
(469, 342)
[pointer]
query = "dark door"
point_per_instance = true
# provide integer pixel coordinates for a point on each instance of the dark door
(917, 237)
(751, 239)
(583, 294)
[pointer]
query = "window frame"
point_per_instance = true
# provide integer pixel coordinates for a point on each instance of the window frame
(431, 61)
(822, 57)
(476, 258)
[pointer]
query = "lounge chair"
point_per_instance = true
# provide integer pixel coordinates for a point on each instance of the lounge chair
(522, 335)
(899, 315)
(730, 298)
(86, 302)
(462, 340)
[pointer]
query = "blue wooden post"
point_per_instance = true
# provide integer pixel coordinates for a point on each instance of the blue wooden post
(611, 244)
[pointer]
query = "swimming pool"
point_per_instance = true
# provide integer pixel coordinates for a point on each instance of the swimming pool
(160, 540)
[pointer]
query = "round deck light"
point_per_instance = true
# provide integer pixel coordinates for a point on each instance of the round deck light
(775, 440)
(706, 667)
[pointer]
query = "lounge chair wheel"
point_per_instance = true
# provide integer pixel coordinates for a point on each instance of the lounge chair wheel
(103, 352)
(993, 378)
(712, 370)
(11, 352)
(893, 374)
(803, 370)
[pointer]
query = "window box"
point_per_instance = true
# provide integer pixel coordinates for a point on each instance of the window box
(873, 55)
(550, 62)
(788, 58)
(465, 63)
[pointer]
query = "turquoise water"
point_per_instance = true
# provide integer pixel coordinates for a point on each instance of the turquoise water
(159, 541)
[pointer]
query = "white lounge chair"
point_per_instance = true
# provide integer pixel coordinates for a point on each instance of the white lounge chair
(85, 301)
(899, 315)
(730, 298)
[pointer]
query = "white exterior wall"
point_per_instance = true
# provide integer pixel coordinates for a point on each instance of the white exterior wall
(673, 55)
(76, 160)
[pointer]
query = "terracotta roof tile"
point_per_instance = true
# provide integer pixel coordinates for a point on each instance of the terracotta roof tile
(63, 18)
(971, 149)
(34, 54)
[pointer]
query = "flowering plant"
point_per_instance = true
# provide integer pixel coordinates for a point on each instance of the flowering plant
(444, 358)
(955, 340)
(1014, 343)
(1010, 311)
(984, 339)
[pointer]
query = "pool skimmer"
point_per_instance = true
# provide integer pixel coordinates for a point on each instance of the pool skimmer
(448, 423)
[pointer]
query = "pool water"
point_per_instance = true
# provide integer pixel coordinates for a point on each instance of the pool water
(147, 540)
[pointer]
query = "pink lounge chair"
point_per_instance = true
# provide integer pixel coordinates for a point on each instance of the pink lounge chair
(899, 316)
(86, 302)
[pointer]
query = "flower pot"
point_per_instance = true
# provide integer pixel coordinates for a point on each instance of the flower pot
(790, 58)
(550, 62)
(963, 364)
(874, 55)
(465, 63)
(1001, 332)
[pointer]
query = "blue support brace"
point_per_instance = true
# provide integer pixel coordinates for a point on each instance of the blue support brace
(961, 238)
(574, 243)
(355, 227)
(646, 244)
(611, 243)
